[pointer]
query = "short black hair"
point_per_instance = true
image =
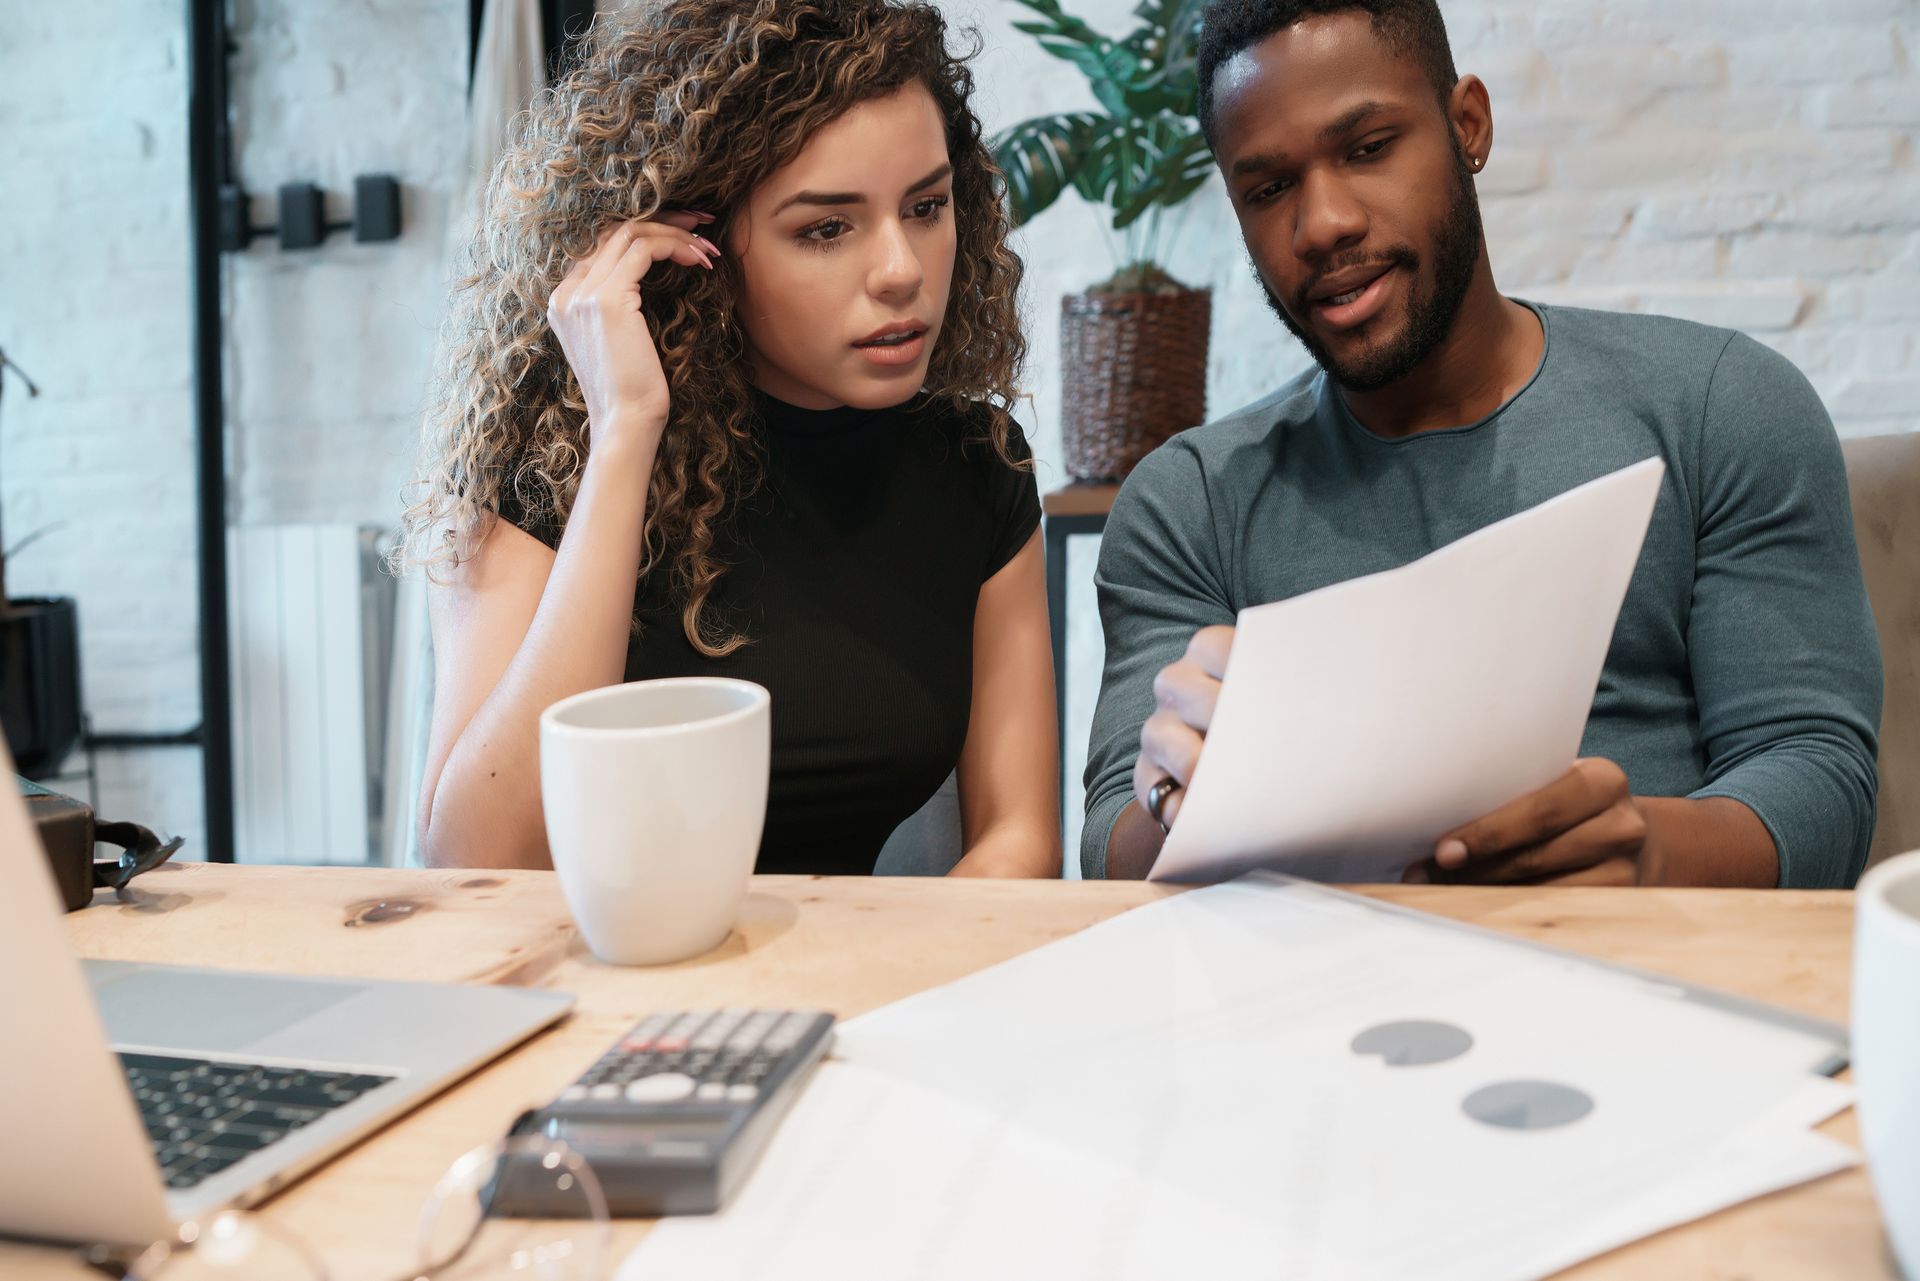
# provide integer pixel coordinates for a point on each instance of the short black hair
(1410, 28)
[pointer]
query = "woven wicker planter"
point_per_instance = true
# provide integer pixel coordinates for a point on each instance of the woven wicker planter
(1135, 373)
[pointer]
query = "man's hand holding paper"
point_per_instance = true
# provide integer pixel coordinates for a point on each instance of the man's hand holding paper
(1426, 715)
(1184, 694)
(1584, 828)
(1422, 724)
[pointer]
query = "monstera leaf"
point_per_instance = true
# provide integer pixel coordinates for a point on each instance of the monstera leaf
(1042, 158)
(1143, 152)
(1137, 164)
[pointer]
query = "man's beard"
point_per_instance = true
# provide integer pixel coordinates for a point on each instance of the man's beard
(1430, 314)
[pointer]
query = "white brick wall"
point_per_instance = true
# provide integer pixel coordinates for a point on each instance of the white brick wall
(94, 303)
(1742, 162)
(327, 349)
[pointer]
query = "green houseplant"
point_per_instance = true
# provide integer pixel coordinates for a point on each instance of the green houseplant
(1134, 346)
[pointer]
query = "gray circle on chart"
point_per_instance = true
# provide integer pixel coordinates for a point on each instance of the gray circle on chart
(1413, 1043)
(1527, 1105)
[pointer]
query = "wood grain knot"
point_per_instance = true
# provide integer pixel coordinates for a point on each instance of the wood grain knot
(381, 911)
(481, 883)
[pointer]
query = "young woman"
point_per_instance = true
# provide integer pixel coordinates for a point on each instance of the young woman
(740, 328)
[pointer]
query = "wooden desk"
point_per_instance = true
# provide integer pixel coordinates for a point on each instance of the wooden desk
(853, 944)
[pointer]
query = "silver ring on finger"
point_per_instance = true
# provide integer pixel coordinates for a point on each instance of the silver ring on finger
(1157, 801)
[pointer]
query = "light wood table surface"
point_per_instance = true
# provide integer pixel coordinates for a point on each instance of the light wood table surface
(852, 944)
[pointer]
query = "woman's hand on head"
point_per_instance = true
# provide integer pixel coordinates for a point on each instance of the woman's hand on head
(596, 313)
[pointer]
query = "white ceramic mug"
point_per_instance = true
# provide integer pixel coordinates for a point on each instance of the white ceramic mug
(655, 793)
(1886, 1044)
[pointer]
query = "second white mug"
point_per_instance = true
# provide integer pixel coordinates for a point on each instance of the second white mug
(1886, 1044)
(655, 794)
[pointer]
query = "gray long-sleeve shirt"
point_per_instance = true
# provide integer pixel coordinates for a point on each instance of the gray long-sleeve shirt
(1744, 663)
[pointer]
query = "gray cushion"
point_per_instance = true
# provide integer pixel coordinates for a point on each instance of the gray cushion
(929, 843)
(1883, 477)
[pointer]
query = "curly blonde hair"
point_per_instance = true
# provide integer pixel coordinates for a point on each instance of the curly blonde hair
(688, 104)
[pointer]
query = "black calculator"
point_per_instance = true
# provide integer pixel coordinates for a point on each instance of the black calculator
(677, 1112)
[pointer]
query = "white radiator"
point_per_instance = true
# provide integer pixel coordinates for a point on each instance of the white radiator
(310, 619)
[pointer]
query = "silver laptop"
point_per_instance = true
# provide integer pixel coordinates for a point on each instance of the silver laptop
(135, 1097)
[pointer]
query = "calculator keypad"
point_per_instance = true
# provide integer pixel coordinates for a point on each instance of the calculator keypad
(708, 1056)
(678, 1110)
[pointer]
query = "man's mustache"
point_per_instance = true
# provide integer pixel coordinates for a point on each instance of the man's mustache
(1399, 256)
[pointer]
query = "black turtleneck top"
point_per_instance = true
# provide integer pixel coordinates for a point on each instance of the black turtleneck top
(853, 571)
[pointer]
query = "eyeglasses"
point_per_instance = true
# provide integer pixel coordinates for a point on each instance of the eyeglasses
(454, 1241)
(141, 851)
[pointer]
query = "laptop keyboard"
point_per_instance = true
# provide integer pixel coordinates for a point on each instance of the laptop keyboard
(203, 1115)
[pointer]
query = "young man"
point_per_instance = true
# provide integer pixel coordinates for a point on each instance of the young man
(1732, 739)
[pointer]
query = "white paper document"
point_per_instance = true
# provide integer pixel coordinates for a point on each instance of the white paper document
(1359, 723)
(1200, 1088)
(875, 1178)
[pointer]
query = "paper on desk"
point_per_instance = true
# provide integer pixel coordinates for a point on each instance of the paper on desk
(1173, 1093)
(1206, 1041)
(1778, 1151)
(1266, 970)
(1359, 723)
(873, 1178)
(891, 1205)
